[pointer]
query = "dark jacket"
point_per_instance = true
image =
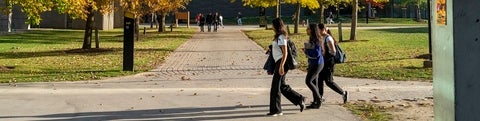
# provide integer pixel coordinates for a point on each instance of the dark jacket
(210, 19)
(202, 20)
(270, 63)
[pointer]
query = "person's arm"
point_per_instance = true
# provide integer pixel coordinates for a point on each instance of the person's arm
(281, 70)
(331, 46)
(283, 46)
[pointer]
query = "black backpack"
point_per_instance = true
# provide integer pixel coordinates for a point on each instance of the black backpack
(340, 56)
(291, 63)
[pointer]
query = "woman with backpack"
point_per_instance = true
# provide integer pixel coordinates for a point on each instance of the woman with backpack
(280, 54)
(314, 50)
(326, 75)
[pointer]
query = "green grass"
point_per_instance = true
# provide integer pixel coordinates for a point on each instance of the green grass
(389, 54)
(369, 112)
(44, 55)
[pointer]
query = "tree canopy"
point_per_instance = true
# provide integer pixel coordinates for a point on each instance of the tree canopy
(311, 4)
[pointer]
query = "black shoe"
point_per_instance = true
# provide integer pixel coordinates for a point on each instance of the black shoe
(302, 104)
(314, 105)
(345, 97)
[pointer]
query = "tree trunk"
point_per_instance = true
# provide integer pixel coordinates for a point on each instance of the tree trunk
(353, 32)
(161, 21)
(297, 19)
(419, 14)
(87, 39)
(152, 20)
(9, 24)
(137, 28)
(322, 14)
(277, 10)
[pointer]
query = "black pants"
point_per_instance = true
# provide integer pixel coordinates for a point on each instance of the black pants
(326, 75)
(279, 87)
(215, 26)
(312, 80)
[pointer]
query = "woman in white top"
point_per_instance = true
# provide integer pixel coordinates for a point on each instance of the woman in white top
(279, 53)
(221, 20)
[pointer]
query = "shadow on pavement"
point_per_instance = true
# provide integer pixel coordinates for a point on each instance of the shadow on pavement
(193, 113)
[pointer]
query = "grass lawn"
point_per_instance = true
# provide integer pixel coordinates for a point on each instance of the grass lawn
(369, 112)
(53, 55)
(389, 54)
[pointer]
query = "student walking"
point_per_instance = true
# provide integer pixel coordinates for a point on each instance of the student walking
(313, 51)
(216, 21)
(239, 18)
(197, 18)
(221, 20)
(280, 54)
(201, 20)
(209, 21)
(326, 75)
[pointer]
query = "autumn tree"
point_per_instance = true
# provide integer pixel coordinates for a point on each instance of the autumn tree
(163, 7)
(6, 8)
(31, 8)
(354, 3)
(353, 30)
(311, 4)
(85, 9)
(82, 9)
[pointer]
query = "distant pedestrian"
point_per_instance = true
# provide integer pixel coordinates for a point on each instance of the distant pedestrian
(313, 51)
(221, 20)
(326, 75)
(201, 22)
(216, 21)
(279, 87)
(209, 21)
(239, 18)
(197, 18)
(330, 18)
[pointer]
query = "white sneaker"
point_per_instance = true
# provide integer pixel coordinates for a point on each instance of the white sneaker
(273, 115)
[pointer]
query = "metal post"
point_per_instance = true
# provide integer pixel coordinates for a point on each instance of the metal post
(128, 41)
(97, 43)
(429, 29)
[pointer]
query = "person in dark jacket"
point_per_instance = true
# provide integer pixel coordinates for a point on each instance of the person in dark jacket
(326, 75)
(210, 21)
(201, 22)
(314, 52)
(216, 21)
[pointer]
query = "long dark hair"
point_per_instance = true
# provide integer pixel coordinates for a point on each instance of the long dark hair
(315, 36)
(322, 27)
(279, 27)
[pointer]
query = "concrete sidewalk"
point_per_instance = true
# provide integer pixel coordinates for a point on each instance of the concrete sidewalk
(214, 76)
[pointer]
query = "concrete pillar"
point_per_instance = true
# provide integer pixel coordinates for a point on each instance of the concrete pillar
(456, 60)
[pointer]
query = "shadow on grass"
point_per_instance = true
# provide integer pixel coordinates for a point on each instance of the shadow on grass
(391, 59)
(86, 52)
(173, 114)
(414, 68)
(404, 30)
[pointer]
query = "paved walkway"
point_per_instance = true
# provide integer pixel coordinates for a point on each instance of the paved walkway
(214, 76)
